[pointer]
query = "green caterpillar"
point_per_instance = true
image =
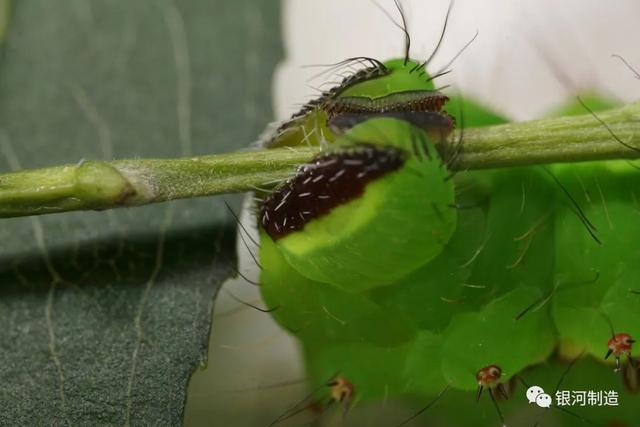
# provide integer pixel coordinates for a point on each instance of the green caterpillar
(413, 282)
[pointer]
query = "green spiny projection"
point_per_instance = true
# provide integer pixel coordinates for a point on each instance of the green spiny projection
(539, 267)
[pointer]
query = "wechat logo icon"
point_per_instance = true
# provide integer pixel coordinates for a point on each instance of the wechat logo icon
(537, 395)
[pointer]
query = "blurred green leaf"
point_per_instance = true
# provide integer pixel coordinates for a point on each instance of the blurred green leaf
(106, 314)
(594, 298)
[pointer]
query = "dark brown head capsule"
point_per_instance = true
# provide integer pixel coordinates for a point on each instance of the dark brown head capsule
(416, 101)
(420, 108)
(330, 180)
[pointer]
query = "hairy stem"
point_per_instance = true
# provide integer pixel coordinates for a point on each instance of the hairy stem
(554, 140)
(105, 185)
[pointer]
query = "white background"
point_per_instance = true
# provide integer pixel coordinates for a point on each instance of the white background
(510, 67)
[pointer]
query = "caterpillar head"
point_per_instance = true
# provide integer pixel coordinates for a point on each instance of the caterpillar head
(373, 208)
(398, 88)
(377, 204)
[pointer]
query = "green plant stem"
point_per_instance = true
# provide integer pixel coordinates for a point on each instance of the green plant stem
(106, 185)
(554, 140)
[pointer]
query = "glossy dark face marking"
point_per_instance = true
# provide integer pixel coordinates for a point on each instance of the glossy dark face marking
(437, 124)
(331, 180)
(420, 108)
(400, 101)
